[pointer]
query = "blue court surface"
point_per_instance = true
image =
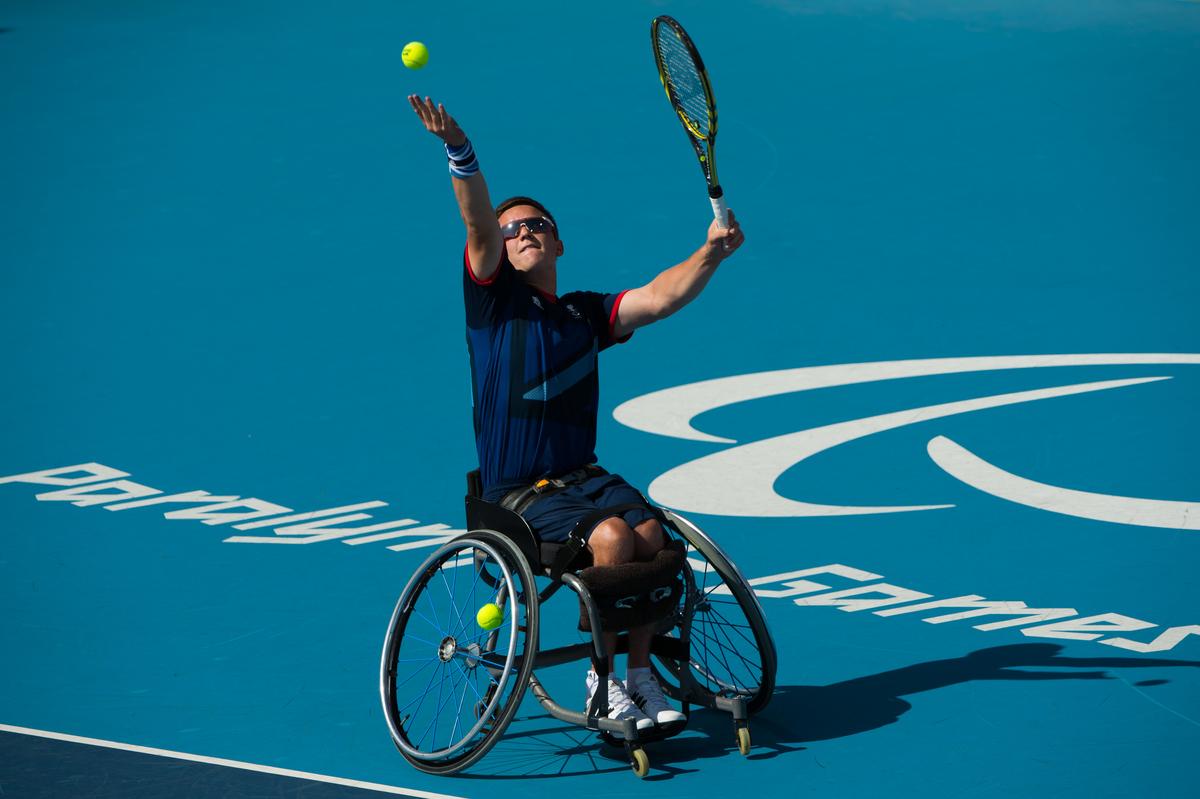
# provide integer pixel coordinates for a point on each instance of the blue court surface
(940, 408)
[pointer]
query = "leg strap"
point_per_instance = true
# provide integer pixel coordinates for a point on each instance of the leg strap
(634, 594)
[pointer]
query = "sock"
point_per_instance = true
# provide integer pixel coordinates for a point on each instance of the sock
(632, 674)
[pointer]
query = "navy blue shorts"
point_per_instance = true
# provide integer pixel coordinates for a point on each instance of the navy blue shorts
(554, 517)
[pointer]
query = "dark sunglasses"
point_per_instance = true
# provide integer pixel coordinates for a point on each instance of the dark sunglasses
(536, 224)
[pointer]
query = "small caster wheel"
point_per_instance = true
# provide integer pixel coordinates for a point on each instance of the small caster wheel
(743, 740)
(639, 762)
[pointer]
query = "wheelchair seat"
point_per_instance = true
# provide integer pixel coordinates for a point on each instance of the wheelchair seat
(484, 515)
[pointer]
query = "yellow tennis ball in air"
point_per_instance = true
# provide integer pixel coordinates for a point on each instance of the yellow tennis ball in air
(414, 55)
(490, 616)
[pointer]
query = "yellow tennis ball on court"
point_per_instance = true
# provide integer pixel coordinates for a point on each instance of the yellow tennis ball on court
(414, 55)
(490, 616)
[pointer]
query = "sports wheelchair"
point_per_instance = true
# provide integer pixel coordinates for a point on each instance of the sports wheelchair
(450, 686)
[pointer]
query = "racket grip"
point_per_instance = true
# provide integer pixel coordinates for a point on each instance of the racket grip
(720, 210)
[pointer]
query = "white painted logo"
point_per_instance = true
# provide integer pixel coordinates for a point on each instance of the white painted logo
(886, 599)
(90, 484)
(740, 480)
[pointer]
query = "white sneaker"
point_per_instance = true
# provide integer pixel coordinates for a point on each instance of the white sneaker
(620, 706)
(647, 694)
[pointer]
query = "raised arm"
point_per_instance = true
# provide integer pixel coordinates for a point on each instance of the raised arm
(675, 287)
(484, 242)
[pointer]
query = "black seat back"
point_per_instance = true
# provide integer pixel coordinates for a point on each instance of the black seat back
(474, 484)
(484, 515)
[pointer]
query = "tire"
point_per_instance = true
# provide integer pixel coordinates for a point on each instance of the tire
(731, 649)
(450, 677)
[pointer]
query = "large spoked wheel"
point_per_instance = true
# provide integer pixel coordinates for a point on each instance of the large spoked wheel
(732, 653)
(450, 687)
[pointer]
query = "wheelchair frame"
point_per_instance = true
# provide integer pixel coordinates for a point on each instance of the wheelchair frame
(504, 538)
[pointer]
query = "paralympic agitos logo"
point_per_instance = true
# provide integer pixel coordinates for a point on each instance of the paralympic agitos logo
(740, 480)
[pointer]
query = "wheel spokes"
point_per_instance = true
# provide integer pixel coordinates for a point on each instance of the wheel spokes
(430, 724)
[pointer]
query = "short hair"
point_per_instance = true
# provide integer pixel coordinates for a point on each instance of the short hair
(512, 202)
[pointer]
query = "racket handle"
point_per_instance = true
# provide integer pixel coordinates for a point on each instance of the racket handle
(720, 210)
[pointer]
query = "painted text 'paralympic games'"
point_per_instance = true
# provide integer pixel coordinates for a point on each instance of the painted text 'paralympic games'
(740, 482)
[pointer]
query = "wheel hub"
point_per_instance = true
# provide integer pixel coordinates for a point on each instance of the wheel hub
(447, 648)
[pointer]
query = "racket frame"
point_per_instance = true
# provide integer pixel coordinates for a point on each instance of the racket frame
(703, 145)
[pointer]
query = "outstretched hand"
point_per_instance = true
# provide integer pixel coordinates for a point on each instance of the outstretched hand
(437, 121)
(723, 241)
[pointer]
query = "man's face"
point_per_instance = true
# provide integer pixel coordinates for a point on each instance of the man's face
(530, 251)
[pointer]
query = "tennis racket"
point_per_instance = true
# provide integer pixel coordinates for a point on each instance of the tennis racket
(682, 74)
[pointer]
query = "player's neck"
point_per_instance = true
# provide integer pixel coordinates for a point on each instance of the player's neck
(544, 279)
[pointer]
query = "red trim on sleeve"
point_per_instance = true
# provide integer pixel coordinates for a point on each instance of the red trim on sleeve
(612, 320)
(471, 272)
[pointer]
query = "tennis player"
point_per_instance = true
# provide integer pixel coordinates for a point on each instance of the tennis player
(533, 358)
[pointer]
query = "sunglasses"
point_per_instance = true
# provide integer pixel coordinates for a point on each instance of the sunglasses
(536, 224)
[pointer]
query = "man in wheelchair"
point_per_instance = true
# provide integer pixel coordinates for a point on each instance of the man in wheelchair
(533, 356)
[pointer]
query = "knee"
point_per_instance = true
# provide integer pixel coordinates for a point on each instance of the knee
(650, 539)
(612, 542)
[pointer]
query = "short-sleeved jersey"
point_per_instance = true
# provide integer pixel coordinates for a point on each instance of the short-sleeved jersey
(534, 379)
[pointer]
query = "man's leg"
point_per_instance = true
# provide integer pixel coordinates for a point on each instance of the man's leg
(640, 683)
(612, 543)
(648, 542)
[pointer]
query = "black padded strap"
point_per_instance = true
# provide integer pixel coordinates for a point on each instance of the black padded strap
(519, 499)
(633, 594)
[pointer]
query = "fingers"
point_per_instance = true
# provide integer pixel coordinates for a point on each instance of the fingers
(450, 131)
(422, 110)
(436, 119)
(731, 237)
(445, 119)
(426, 110)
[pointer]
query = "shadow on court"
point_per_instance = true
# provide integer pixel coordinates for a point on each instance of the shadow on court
(561, 750)
(800, 713)
(797, 714)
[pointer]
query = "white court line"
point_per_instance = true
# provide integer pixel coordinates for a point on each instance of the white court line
(218, 761)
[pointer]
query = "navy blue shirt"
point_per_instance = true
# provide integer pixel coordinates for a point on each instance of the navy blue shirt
(534, 379)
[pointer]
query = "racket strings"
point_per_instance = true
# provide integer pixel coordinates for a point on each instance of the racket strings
(683, 78)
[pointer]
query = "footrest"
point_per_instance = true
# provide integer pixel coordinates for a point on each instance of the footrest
(648, 736)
